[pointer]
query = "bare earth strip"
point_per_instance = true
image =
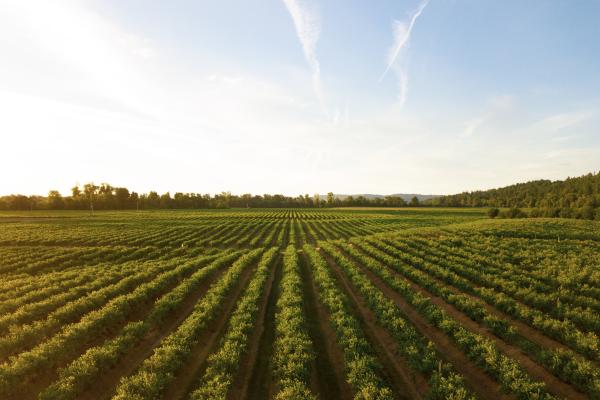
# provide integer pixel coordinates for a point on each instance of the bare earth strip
(254, 378)
(477, 380)
(209, 340)
(554, 385)
(106, 384)
(328, 376)
(406, 383)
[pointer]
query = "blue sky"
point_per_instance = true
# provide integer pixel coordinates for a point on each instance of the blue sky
(297, 96)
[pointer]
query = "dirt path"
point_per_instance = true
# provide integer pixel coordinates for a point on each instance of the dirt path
(106, 384)
(254, 378)
(536, 371)
(187, 376)
(406, 383)
(328, 377)
(476, 379)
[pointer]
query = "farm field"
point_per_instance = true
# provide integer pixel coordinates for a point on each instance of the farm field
(410, 303)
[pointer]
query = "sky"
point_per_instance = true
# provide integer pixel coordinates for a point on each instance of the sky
(297, 96)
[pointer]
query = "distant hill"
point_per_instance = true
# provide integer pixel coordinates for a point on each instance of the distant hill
(405, 196)
(583, 191)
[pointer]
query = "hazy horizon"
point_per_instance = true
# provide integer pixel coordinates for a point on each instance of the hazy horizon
(291, 96)
(67, 192)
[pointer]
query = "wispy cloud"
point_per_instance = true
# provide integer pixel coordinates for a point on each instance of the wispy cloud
(402, 31)
(308, 28)
(472, 125)
(561, 121)
(498, 107)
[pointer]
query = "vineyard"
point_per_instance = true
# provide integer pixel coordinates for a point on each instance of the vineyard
(298, 304)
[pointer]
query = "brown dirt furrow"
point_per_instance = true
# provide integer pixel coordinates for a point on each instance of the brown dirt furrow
(254, 377)
(477, 380)
(328, 377)
(406, 383)
(207, 343)
(106, 384)
(44, 380)
(523, 329)
(536, 371)
(310, 238)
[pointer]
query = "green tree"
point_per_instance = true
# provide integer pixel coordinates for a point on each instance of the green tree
(153, 200)
(166, 201)
(493, 212)
(18, 202)
(330, 199)
(55, 200)
(90, 191)
(135, 200)
(75, 191)
(122, 198)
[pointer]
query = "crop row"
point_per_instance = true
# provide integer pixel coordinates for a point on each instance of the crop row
(72, 338)
(483, 351)
(79, 374)
(563, 363)
(224, 363)
(561, 303)
(156, 372)
(419, 352)
(293, 350)
(363, 370)
(564, 269)
(22, 337)
(586, 343)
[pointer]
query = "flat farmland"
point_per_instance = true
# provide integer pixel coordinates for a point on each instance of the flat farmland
(410, 303)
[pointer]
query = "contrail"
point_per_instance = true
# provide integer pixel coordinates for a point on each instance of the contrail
(308, 29)
(401, 37)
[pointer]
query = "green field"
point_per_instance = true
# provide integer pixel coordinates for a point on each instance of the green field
(298, 304)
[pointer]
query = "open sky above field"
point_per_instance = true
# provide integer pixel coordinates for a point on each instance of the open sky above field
(297, 96)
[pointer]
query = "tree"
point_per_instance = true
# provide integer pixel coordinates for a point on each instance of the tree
(135, 199)
(75, 191)
(414, 202)
(317, 200)
(106, 196)
(153, 200)
(122, 198)
(587, 212)
(55, 200)
(166, 201)
(223, 200)
(513, 212)
(90, 190)
(246, 200)
(394, 201)
(330, 199)
(493, 212)
(18, 202)
(33, 200)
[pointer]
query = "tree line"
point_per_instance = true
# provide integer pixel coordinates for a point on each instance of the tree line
(572, 198)
(108, 197)
(577, 197)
